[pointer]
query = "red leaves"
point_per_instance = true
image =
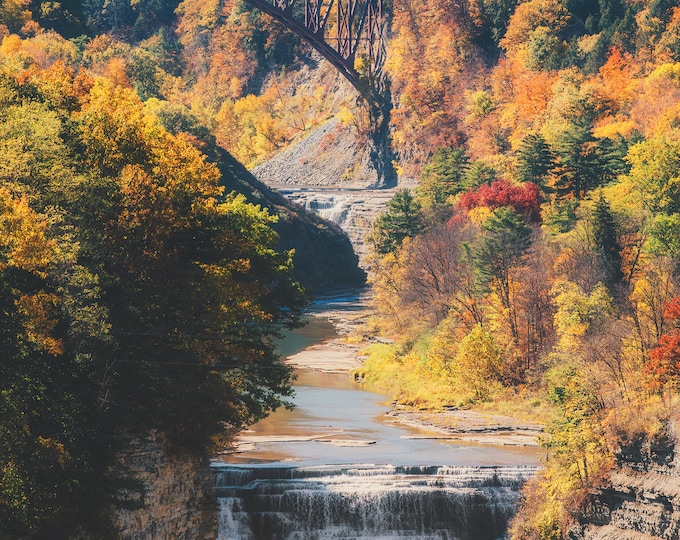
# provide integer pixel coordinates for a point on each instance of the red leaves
(524, 199)
(672, 309)
(663, 365)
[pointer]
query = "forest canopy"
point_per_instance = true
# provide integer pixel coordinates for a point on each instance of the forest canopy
(136, 293)
(535, 259)
(543, 274)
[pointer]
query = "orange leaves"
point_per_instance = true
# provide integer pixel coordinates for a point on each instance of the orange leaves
(618, 76)
(428, 70)
(180, 167)
(23, 240)
(40, 319)
(156, 202)
(24, 245)
(524, 95)
(14, 14)
(672, 309)
(534, 22)
(142, 205)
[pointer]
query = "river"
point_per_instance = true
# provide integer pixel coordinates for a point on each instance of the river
(338, 467)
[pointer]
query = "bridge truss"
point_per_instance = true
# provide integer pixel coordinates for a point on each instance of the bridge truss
(342, 31)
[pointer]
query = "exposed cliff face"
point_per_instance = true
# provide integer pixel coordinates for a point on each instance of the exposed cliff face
(332, 155)
(642, 499)
(353, 211)
(177, 498)
(331, 173)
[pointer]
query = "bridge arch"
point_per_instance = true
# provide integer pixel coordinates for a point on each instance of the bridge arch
(340, 30)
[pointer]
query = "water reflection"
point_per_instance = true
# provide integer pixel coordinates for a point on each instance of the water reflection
(336, 421)
(316, 330)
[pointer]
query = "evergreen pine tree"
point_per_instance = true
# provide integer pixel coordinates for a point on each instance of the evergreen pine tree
(580, 167)
(535, 160)
(443, 176)
(606, 242)
(401, 220)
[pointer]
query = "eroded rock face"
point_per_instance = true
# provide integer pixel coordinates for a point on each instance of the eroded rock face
(352, 210)
(324, 256)
(177, 498)
(332, 155)
(642, 500)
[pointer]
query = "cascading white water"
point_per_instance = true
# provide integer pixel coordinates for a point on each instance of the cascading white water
(333, 208)
(302, 474)
(361, 502)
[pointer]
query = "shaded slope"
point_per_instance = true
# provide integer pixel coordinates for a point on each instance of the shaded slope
(324, 256)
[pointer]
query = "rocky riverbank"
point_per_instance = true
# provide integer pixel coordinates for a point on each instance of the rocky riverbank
(471, 426)
(173, 498)
(343, 355)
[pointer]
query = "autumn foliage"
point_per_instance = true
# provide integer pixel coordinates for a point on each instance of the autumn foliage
(525, 199)
(537, 256)
(663, 366)
(555, 228)
(133, 289)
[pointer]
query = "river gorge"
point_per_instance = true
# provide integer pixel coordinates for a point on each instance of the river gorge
(340, 466)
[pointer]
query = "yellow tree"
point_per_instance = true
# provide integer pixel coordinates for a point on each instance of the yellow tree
(534, 33)
(477, 365)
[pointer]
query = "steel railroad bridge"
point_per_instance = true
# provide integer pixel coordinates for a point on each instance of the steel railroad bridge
(341, 31)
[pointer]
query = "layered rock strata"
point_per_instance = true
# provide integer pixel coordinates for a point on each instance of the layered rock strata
(641, 499)
(170, 498)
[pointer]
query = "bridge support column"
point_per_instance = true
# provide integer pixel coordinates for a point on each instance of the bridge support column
(381, 152)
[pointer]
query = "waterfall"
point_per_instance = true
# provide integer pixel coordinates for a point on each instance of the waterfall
(353, 210)
(296, 503)
(333, 208)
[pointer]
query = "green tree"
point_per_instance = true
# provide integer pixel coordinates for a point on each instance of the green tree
(401, 220)
(53, 452)
(606, 243)
(535, 160)
(584, 162)
(477, 174)
(545, 50)
(664, 235)
(655, 173)
(443, 176)
(505, 239)
(497, 14)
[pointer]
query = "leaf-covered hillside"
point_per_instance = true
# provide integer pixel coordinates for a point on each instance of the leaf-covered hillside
(536, 266)
(136, 292)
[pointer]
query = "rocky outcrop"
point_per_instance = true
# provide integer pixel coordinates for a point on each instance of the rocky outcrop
(323, 255)
(352, 210)
(332, 155)
(171, 497)
(641, 499)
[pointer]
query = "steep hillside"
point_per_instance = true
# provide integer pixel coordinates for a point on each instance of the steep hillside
(640, 499)
(332, 155)
(324, 256)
